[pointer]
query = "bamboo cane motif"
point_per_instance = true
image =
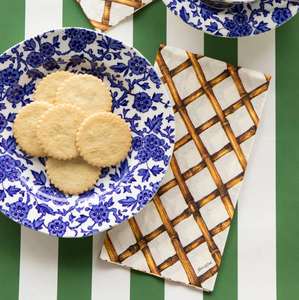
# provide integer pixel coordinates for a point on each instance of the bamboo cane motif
(104, 25)
(110, 249)
(218, 110)
(228, 111)
(193, 245)
(207, 199)
(194, 206)
(106, 12)
(210, 273)
(176, 242)
(143, 246)
(195, 212)
(200, 92)
(242, 92)
(197, 141)
(99, 25)
(201, 165)
(185, 65)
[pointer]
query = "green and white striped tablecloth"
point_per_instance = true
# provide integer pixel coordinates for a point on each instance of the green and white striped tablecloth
(261, 256)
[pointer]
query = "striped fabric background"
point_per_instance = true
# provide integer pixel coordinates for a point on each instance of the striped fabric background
(260, 259)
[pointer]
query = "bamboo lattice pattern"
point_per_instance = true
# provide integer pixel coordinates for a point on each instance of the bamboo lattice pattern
(103, 14)
(180, 235)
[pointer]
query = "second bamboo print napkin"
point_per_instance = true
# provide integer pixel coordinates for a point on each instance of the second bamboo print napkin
(180, 235)
(103, 14)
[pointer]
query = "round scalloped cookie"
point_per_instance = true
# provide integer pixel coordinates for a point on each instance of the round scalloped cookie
(104, 139)
(25, 125)
(86, 91)
(47, 88)
(57, 128)
(73, 176)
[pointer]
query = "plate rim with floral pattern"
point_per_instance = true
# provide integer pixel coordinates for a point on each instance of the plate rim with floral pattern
(26, 195)
(242, 20)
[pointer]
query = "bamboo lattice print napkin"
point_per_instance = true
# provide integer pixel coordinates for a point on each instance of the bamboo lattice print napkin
(103, 14)
(180, 235)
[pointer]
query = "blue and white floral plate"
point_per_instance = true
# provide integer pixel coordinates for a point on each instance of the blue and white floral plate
(26, 195)
(242, 20)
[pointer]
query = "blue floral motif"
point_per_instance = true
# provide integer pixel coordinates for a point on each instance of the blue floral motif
(35, 59)
(281, 15)
(87, 36)
(239, 26)
(99, 213)
(142, 102)
(72, 33)
(137, 143)
(10, 76)
(143, 156)
(240, 21)
(137, 65)
(14, 175)
(145, 196)
(47, 49)
(57, 227)
(19, 210)
(158, 154)
(26, 194)
(77, 44)
(151, 142)
(9, 168)
(15, 94)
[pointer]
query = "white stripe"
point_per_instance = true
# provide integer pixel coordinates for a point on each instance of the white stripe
(38, 266)
(178, 291)
(109, 281)
(41, 16)
(39, 252)
(123, 31)
(104, 274)
(183, 36)
(256, 206)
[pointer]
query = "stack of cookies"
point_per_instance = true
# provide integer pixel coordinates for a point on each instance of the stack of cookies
(70, 122)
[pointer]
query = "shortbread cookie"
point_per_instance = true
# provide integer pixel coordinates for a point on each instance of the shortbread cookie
(57, 128)
(24, 128)
(73, 176)
(47, 88)
(86, 91)
(104, 139)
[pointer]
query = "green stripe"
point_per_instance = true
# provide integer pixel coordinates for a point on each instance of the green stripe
(226, 286)
(74, 268)
(225, 49)
(10, 233)
(12, 25)
(287, 159)
(12, 31)
(146, 287)
(75, 254)
(73, 16)
(149, 31)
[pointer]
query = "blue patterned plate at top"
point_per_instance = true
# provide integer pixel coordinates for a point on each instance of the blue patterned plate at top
(26, 195)
(246, 19)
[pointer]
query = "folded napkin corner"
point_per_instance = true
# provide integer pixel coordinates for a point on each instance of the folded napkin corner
(104, 14)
